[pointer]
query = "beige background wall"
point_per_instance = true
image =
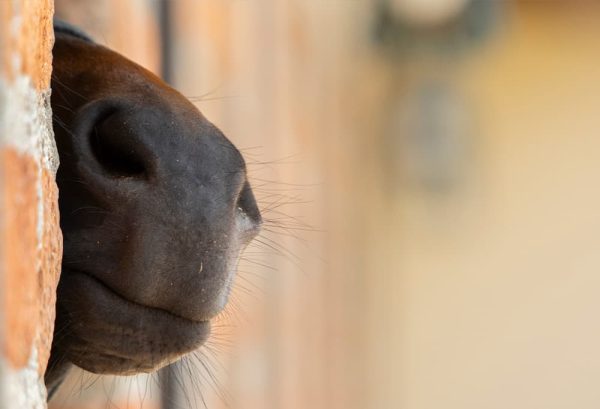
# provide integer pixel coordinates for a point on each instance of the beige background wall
(495, 285)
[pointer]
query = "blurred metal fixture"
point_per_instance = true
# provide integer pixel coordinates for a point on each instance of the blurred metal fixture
(428, 143)
(427, 12)
(430, 133)
(404, 27)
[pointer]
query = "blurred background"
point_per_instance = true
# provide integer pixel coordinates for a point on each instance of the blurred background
(426, 173)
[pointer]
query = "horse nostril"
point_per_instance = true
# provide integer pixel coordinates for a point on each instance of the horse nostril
(114, 142)
(118, 154)
(246, 205)
(115, 156)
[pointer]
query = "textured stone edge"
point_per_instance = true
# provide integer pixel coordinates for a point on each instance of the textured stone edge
(30, 238)
(17, 119)
(22, 387)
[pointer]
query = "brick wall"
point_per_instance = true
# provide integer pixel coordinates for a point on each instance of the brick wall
(30, 238)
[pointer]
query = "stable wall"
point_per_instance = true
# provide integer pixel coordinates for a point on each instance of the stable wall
(30, 238)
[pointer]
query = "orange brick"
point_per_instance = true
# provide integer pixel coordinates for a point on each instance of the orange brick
(18, 173)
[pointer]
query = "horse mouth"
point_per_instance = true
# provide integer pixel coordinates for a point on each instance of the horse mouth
(159, 311)
(110, 334)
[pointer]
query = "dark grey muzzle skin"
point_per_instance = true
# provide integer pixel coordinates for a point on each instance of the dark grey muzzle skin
(155, 209)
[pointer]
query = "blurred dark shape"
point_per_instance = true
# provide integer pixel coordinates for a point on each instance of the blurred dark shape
(402, 37)
(429, 137)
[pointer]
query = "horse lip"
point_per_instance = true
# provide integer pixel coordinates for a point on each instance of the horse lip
(106, 287)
